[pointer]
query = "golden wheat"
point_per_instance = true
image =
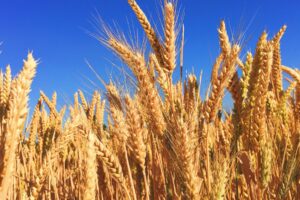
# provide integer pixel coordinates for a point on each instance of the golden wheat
(159, 139)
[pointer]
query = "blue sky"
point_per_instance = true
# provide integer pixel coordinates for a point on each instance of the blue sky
(55, 31)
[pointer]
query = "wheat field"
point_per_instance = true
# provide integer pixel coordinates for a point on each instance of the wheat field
(161, 141)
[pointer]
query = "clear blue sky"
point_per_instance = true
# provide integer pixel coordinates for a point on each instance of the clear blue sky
(54, 30)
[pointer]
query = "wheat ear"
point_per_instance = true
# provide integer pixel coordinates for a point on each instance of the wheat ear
(170, 38)
(6, 88)
(91, 169)
(150, 97)
(15, 121)
(258, 93)
(151, 35)
(112, 163)
(214, 102)
(224, 39)
(276, 76)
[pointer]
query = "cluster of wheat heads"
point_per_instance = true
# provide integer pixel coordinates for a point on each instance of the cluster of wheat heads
(162, 141)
